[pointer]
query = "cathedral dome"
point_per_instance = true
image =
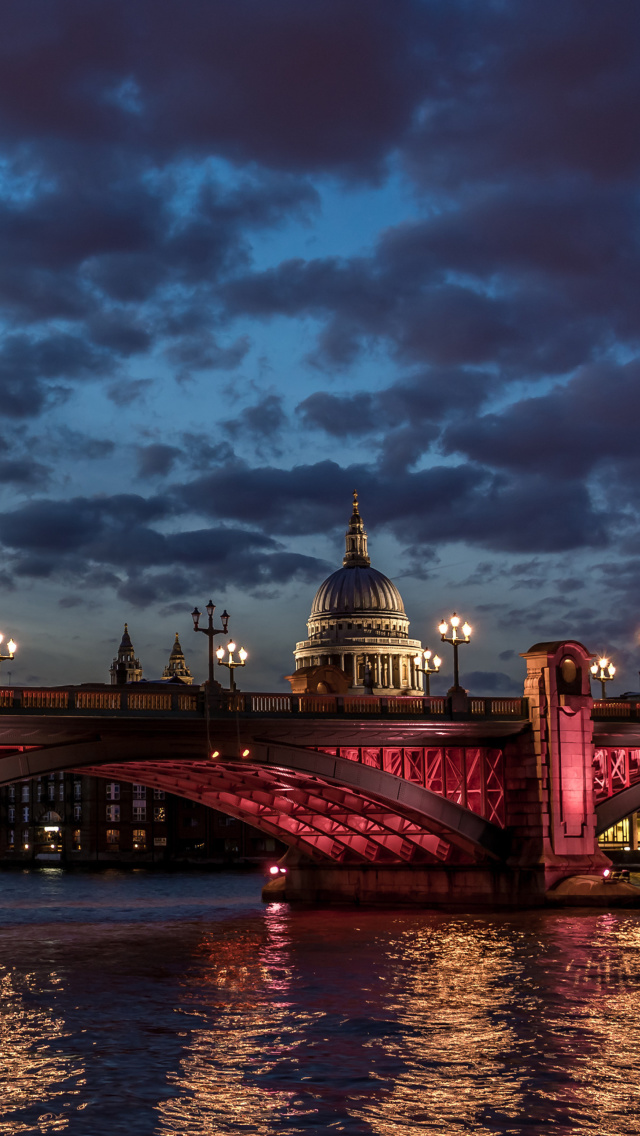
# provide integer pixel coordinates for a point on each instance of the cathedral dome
(357, 589)
(358, 631)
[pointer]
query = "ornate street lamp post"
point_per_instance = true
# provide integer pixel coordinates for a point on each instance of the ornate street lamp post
(11, 647)
(427, 670)
(456, 641)
(210, 631)
(604, 671)
(231, 663)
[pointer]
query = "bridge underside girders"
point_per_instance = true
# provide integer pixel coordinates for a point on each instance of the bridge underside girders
(319, 819)
(326, 806)
(615, 808)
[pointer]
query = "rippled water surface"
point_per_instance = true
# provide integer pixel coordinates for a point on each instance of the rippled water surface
(148, 1004)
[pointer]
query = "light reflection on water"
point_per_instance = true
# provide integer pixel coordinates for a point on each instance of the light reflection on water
(177, 1004)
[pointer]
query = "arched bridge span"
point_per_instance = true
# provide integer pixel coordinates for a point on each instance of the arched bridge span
(376, 804)
(326, 806)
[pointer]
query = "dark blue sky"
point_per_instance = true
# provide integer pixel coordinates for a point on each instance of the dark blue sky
(256, 255)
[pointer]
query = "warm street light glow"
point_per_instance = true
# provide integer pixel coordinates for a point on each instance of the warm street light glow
(11, 647)
(456, 641)
(210, 631)
(603, 671)
(431, 666)
(231, 663)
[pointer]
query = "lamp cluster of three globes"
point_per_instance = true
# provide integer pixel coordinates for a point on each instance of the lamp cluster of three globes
(432, 663)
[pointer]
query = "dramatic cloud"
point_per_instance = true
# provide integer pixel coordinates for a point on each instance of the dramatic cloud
(257, 256)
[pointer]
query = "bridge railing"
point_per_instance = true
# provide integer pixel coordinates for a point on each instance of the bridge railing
(609, 708)
(112, 699)
(363, 705)
(168, 700)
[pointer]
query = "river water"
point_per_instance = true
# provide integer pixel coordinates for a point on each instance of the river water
(178, 1004)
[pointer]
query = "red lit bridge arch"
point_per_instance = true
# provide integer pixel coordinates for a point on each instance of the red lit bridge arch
(394, 799)
(361, 780)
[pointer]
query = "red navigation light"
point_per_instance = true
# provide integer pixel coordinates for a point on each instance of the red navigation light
(274, 870)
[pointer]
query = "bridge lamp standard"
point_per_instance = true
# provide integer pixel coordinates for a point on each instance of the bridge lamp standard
(603, 671)
(231, 663)
(210, 630)
(11, 647)
(427, 670)
(456, 641)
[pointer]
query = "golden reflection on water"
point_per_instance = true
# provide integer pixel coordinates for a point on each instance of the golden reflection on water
(505, 1031)
(286, 1022)
(248, 979)
(33, 1070)
(451, 1025)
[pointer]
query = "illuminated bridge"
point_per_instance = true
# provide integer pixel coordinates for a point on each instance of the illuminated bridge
(450, 796)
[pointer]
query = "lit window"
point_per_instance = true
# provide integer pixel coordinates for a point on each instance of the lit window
(113, 791)
(25, 837)
(51, 792)
(77, 790)
(12, 837)
(113, 836)
(25, 792)
(113, 812)
(76, 840)
(159, 813)
(25, 813)
(139, 839)
(139, 793)
(12, 792)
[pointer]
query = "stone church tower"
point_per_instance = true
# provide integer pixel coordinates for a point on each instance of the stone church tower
(177, 667)
(125, 667)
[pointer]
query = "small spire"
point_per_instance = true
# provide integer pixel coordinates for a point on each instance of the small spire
(177, 667)
(125, 642)
(356, 555)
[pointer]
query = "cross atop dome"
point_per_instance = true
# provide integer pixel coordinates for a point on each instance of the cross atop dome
(356, 555)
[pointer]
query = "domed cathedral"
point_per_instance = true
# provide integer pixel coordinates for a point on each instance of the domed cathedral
(358, 630)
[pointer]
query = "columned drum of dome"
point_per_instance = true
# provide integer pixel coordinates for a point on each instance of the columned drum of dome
(358, 623)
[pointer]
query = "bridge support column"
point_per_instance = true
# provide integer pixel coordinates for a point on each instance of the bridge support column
(549, 775)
